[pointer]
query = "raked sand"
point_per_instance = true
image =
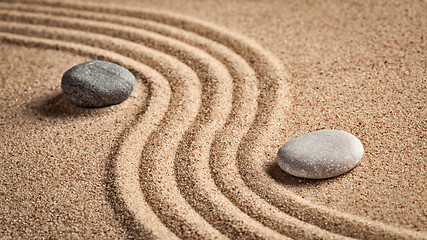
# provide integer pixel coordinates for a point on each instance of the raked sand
(220, 87)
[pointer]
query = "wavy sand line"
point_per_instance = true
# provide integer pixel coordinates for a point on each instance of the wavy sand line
(158, 102)
(352, 225)
(368, 228)
(183, 105)
(216, 111)
(168, 67)
(331, 220)
(253, 227)
(194, 222)
(220, 205)
(228, 141)
(249, 226)
(292, 227)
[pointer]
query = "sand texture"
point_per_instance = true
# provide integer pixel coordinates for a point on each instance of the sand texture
(221, 85)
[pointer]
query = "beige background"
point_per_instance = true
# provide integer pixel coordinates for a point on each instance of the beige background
(357, 66)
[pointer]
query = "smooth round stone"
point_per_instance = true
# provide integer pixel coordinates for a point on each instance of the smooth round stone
(320, 154)
(97, 84)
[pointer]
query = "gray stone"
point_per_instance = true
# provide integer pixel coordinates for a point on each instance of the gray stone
(97, 84)
(320, 154)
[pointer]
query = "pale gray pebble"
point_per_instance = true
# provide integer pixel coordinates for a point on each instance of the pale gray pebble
(97, 84)
(321, 154)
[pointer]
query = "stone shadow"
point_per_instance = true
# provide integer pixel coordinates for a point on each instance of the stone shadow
(280, 176)
(56, 105)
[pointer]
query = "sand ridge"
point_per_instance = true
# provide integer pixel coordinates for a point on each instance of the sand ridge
(220, 116)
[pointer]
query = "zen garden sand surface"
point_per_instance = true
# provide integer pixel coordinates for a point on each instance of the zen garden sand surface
(220, 86)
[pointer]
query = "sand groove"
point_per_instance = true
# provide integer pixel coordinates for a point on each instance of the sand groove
(211, 150)
(220, 110)
(216, 112)
(292, 228)
(187, 101)
(158, 103)
(223, 89)
(166, 64)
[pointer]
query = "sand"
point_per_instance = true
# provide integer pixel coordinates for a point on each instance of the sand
(220, 87)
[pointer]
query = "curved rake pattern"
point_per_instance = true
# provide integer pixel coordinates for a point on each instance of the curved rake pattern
(186, 167)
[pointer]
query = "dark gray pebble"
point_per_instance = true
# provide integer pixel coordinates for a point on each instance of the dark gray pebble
(97, 84)
(320, 154)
